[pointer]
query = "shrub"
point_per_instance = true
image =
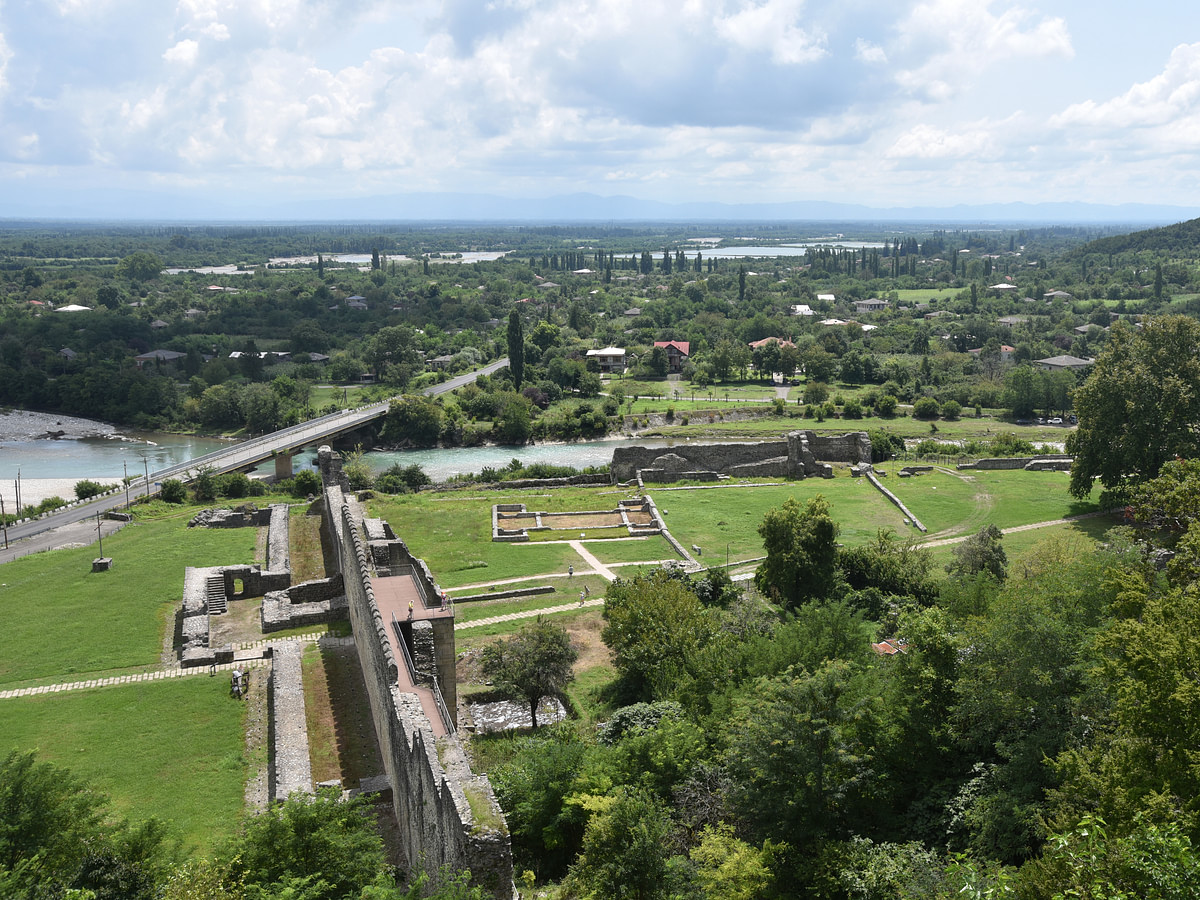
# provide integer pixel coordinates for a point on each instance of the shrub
(86, 489)
(925, 408)
(852, 409)
(173, 491)
(235, 485)
(951, 410)
(886, 405)
(306, 483)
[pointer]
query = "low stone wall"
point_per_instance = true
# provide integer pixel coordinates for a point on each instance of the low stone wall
(289, 729)
(1051, 461)
(895, 500)
(278, 557)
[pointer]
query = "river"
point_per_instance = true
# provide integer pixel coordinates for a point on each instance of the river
(50, 466)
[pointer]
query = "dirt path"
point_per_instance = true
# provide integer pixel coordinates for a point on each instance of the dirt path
(946, 542)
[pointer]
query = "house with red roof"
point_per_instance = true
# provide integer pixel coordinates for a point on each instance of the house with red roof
(677, 353)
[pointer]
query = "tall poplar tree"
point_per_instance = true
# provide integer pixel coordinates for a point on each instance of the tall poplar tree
(516, 348)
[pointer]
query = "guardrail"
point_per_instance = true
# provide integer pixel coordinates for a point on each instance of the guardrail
(416, 678)
(369, 411)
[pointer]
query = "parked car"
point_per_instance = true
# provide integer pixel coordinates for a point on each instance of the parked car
(1055, 421)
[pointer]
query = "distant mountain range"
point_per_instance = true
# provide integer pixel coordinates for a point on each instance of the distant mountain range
(117, 205)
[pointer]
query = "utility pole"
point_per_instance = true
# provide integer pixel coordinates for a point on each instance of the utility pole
(4, 518)
(99, 536)
(18, 493)
(125, 466)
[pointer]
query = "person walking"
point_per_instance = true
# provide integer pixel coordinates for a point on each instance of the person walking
(570, 571)
(410, 609)
(582, 594)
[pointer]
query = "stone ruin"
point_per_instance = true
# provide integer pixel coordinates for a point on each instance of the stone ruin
(802, 454)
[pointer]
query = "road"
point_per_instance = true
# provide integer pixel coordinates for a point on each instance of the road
(236, 456)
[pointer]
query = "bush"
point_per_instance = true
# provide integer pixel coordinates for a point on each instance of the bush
(852, 409)
(925, 408)
(951, 410)
(86, 489)
(235, 485)
(173, 491)
(306, 483)
(886, 406)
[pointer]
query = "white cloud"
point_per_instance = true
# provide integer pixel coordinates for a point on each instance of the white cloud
(5, 57)
(1164, 100)
(184, 53)
(927, 142)
(771, 28)
(949, 44)
(869, 52)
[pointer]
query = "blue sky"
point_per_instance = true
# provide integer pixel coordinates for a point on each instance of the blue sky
(885, 104)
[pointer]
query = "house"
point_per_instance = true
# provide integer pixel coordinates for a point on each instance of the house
(74, 307)
(441, 362)
(633, 311)
(1060, 363)
(67, 353)
(355, 304)
(158, 323)
(802, 309)
(677, 353)
(939, 314)
(1057, 295)
(828, 298)
(831, 322)
(1012, 321)
(754, 345)
(869, 306)
(890, 646)
(611, 360)
(158, 356)
(1002, 287)
(1006, 352)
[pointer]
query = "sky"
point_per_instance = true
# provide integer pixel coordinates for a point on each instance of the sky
(890, 104)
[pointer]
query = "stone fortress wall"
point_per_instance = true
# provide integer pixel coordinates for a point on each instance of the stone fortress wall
(801, 454)
(447, 814)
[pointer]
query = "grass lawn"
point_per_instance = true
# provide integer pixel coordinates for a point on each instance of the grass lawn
(452, 532)
(715, 517)
(341, 737)
(648, 548)
(960, 504)
(566, 591)
(171, 749)
(1082, 536)
(58, 618)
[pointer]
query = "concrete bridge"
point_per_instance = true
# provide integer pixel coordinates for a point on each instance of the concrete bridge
(279, 446)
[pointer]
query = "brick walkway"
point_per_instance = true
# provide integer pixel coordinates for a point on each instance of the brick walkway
(175, 671)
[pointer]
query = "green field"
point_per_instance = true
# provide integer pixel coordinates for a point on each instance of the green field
(58, 618)
(171, 749)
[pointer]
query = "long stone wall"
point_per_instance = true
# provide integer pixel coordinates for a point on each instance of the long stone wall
(435, 795)
(801, 454)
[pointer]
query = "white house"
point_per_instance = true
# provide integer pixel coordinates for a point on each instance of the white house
(611, 360)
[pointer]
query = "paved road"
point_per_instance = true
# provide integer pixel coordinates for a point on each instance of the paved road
(236, 456)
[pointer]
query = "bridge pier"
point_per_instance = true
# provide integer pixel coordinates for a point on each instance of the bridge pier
(283, 465)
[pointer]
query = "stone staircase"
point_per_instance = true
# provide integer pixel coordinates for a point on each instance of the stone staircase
(215, 595)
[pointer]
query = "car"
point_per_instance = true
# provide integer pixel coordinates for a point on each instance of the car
(1055, 421)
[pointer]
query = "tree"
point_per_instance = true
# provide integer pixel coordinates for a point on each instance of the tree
(625, 849)
(1140, 405)
(516, 348)
(140, 266)
(656, 628)
(325, 844)
(801, 752)
(801, 545)
(980, 553)
(532, 664)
